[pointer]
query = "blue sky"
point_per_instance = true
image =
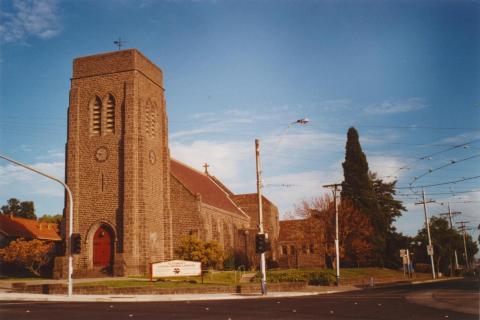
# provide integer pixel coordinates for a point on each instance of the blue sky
(404, 73)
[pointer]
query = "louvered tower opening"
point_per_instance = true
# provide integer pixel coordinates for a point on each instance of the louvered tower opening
(110, 114)
(96, 116)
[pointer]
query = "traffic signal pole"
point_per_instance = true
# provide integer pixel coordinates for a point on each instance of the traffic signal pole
(260, 215)
(70, 218)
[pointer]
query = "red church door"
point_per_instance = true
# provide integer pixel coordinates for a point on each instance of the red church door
(102, 248)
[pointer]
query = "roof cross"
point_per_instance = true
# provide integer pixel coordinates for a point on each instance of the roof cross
(206, 167)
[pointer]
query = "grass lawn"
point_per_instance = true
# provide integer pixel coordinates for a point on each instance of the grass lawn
(214, 278)
(225, 278)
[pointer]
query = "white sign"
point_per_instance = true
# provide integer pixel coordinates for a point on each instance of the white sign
(430, 250)
(175, 268)
(403, 253)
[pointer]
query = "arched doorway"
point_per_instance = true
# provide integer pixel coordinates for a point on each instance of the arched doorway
(103, 243)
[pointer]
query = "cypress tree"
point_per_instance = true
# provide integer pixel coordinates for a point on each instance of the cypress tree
(358, 187)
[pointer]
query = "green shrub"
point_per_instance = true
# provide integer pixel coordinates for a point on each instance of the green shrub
(316, 278)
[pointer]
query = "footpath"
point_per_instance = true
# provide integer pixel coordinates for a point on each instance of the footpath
(6, 295)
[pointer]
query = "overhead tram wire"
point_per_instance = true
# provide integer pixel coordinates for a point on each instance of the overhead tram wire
(452, 162)
(439, 184)
(429, 156)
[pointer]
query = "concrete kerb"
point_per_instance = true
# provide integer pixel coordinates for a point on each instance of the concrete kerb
(4, 296)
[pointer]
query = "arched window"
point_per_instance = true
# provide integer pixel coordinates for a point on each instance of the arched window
(110, 114)
(96, 116)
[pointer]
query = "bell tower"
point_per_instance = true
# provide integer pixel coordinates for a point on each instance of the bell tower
(117, 164)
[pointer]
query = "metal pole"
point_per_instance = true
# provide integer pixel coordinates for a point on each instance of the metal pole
(337, 246)
(260, 214)
(70, 227)
(428, 232)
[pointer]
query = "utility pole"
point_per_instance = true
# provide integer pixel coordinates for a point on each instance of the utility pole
(335, 186)
(70, 217)
(463, 228)
(450, 214)
(429, 247)
(260, 214)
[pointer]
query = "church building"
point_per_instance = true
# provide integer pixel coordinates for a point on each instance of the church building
(132, 202)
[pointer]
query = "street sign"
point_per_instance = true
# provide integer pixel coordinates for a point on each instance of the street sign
(430, 250)
(175, 268)
(403, 253)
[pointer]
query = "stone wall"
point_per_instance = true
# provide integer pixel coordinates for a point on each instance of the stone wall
(117, 160)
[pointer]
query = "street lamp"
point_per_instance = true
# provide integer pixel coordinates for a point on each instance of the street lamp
(70, 227)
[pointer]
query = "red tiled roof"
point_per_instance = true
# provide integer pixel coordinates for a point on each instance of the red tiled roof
(27, 228)
(200, 183)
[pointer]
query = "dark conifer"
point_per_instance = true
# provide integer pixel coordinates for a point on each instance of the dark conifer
(358, 187)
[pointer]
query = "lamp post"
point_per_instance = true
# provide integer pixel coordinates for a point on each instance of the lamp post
(70, 207)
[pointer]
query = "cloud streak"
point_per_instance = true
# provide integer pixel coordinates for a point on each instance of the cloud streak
(29, 18)
(393, 107)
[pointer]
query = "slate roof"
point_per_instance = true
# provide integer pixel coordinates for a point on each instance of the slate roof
(27, 228)
(200, 183)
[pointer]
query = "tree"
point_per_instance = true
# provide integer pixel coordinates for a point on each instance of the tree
(24, 209)
(355, 229)
(358, 187)
(390, 209)
(444, 240)
(32, 255)
(210, 253)
(53, 218)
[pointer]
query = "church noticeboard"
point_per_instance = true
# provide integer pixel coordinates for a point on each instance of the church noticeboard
(175, 268)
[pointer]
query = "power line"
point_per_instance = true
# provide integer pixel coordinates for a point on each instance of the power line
(440, 184)
(452, 162)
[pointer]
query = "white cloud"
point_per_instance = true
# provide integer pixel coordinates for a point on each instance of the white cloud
(27, 18)
(17, 181)
(392, 107)
(387, 167)
(226, 159)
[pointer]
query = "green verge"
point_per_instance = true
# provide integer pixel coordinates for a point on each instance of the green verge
(314, 276)
(317, 276)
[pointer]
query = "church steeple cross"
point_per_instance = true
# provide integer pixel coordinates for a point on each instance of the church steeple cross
(206, 167)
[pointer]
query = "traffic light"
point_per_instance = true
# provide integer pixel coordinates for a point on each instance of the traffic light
(76, 243)
(260, 243)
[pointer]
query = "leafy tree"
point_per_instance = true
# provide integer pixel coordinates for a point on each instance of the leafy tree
(210, 253)
(358, 187)
(355, 229)
(24, 209)
(444, 240)
(390, 209)
(32, 255)
(53, 218)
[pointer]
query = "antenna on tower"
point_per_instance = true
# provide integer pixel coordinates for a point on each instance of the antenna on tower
(119, 43)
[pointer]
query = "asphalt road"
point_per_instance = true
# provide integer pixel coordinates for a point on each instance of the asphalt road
(441, 300)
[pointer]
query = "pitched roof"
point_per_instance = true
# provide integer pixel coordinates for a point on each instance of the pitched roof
(200, 183)
(27, 228)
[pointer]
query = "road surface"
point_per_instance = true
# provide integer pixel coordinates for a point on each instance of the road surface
(441, 300)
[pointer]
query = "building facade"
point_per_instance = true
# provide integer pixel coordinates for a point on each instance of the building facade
(132, 203)
(301, 244)
(117, 164)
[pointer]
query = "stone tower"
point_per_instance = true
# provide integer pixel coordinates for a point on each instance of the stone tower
(117, 164)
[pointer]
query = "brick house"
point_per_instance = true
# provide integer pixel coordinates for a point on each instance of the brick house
(301, 244)
(12, 228)
(249, 204)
